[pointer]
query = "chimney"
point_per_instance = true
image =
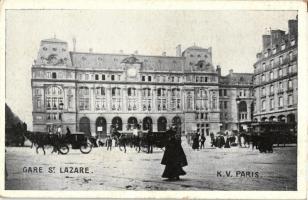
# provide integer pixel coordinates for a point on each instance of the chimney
(164, 53)
(293, 27)
(91, 50)
(231, 72)
(74, 44)
(218, 70)
(266, 39)
(277, 36)
(136, 52)
(121, 51)
(178, 51)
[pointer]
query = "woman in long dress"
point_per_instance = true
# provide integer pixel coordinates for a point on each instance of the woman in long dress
(174, 157)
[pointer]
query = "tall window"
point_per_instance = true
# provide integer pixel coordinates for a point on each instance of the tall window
(112, 77)
(103, 77)
(272, 104)
(263, 105)
(132, 100)
(161, 99)
(272, 63)
(96, 77)
(280, 101)
(176, 99)
(84, 98)
(290, 100)
(100, 98)
(54, 97)
(116, 98)
(201, 99)
(272, 89)
(189, 101)
(291, 55)
(280, 73)
(146, 99)
(280, 60)
(271, 75)
(290, 84)
(280, 86)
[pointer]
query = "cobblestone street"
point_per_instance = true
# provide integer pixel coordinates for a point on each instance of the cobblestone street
(208, 169)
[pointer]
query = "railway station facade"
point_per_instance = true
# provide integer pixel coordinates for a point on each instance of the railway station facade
(90, 92)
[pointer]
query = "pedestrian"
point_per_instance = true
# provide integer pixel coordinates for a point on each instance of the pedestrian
(174, 157)
(109, 143)
(202, 141)
(196, 141)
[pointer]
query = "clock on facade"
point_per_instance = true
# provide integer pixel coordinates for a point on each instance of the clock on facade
(132, 72)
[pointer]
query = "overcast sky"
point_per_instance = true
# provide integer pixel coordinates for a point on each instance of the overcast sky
(235, 38)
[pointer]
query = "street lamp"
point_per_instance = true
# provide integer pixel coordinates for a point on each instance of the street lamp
(61, 105)
(238, 100)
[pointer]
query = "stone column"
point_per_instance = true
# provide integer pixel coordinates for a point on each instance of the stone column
(139, 103)
(124, 99)
(154, 99)
(108, 98)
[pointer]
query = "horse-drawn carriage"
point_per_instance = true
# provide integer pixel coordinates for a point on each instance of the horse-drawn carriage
(266, 134)
(140, 140)
(60, 143)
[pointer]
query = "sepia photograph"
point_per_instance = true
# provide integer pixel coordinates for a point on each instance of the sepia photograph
(151, 100)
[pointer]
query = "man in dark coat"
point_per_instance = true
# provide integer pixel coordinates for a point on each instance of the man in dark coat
(196, 141)
(174, 157)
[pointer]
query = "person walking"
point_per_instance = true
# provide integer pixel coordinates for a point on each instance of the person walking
(174, 157)
(196, 141)
(202, 141)
(109, 143)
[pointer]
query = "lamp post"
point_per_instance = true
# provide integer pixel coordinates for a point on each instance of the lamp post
(238, 100)
(61, 112)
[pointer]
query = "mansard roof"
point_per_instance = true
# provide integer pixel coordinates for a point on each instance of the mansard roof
(116, 61)
(237, 79)
(55, 40)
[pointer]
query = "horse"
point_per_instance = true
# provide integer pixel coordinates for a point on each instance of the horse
(120, 139)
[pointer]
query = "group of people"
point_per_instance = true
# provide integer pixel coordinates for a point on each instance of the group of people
(198, 142)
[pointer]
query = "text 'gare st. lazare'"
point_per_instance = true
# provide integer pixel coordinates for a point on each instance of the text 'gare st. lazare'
(90, 92)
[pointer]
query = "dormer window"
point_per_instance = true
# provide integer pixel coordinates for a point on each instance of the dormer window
(45, 48)
(274, 50)
(266, 54)
(292, 42)
(283, 46)
(54, 49)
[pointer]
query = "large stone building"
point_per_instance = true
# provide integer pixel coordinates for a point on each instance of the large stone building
(90, 91)
(275, 76)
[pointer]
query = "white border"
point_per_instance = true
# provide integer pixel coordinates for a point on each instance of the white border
(173, 5)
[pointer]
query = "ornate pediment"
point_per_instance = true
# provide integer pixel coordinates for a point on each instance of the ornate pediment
(130, 60)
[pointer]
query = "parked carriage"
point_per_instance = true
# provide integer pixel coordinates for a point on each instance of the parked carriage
(267, 134)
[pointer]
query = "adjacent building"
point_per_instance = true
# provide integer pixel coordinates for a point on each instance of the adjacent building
(275, 76)
(92, 92)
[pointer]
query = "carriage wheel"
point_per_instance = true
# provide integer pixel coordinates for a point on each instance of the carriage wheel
(64, 149)
(86, 148)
